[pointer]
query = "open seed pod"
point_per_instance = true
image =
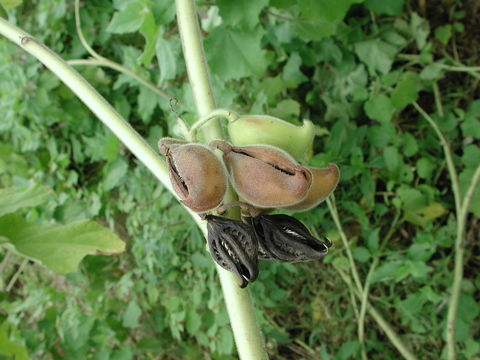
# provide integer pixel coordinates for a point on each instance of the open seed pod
(265, 176)
(233, 246)
(197, 175)
(324, 182)
(284, 238)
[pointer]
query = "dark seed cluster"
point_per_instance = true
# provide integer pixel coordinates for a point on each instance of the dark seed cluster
(238, 245)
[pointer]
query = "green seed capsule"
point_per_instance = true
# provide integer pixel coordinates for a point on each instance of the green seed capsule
(264, 129)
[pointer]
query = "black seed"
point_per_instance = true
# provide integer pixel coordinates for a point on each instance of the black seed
(233, 246)
(284, 238)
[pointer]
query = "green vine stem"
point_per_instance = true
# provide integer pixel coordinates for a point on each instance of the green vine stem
(228, 114)
(359, 290)
(461, 210)
(99, 60)
(366, 286)
(240, 308)
(384, 325)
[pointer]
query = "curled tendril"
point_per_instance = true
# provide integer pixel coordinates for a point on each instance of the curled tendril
(234, 247)
(284, 238)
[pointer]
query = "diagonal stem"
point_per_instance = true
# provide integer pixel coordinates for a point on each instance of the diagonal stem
(358, 289)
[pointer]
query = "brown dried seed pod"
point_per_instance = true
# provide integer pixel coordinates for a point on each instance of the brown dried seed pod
(324, 182)
(265, 176)
(197, 175)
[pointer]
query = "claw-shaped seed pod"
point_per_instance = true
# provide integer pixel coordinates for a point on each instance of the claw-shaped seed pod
(233, 246)
(264, 129)
(324, 182)
(284, 238)
(197, 175)
(265, 176)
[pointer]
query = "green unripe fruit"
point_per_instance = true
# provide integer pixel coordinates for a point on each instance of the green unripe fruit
(269, 130)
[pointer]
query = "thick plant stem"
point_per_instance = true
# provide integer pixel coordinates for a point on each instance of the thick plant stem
(238, 301)
(91, 98)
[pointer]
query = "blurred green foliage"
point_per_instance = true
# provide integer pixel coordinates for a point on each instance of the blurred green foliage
(353, 67)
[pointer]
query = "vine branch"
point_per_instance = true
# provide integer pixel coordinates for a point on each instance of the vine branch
(99, 60)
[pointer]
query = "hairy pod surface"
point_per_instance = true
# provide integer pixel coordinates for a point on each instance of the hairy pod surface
(324, 182)
(197, 175)
(264, 129)
(265, 176)
(284, 238)
(234, 247)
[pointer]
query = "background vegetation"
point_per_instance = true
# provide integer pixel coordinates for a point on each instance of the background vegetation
(360, 70)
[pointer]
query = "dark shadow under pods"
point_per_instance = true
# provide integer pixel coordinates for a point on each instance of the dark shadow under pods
(284, 238)
(233, 246)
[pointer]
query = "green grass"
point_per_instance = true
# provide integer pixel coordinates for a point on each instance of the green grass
(372, 76)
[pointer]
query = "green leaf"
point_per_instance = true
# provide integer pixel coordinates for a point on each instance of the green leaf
(291, 72)
(122, 353)
(3, 12)
(423, 216)
(431, 72)
(320, 18)
(425, 168)
(392, 158)
(471, 156)
(131, 315)
(111, 147)
(379, 108)
(14, 198)
(242, 14)
(147, 101)
(127, 20)
(167, 59)
(361, 254)
(193, 321)
(471, 123)
(286, 109)
(376, 54)
(419, 29)
(411, 198)
(8, 348)
(390, 7)
(406, 90)
(225, 342)
(443, 33)
(234, 54)
(149, 30)
(314, 31)
(326, 9)
(115, 173)
(9, 4)
(58, 247)
(410, 146)
(387, 271)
